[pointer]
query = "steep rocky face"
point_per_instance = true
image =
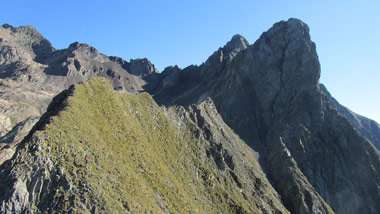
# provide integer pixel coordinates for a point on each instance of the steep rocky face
(27, 38)
(368, 128)
(195, 83)
(81, 62)
(32, 72)
(145, 159)
(269, 93)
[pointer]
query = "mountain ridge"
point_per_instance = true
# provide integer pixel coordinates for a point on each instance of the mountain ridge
(197, 181)
(32, 72)
(318, 156)
(269, 93)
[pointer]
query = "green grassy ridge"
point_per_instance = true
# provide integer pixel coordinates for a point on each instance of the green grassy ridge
(139, 161)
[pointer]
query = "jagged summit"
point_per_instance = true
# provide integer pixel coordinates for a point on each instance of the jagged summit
(288, 45)
(142, 67)
(295, 28)
(317, 155)
(27, 29)
(6, 25)
(236, 44)
(270, 94)
(76, 45)
(27, 38)
(229, 51)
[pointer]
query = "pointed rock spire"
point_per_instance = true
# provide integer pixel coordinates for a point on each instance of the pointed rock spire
(236, 44)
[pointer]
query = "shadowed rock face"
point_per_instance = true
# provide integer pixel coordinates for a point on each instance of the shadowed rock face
(319, 156)
(368, 128)
(310, 146)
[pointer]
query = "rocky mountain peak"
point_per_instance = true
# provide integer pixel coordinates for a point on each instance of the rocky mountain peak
(217, 61)
(170, 70)
(292, 29)
(85, 50)
(76, 45)
(142, 67)
(28, 38)
(170, 76)
(287, 56)
(236, 44)
(7, 26)
(28, 29)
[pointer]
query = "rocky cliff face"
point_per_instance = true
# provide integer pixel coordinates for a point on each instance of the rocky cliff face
(260, 134)
(368, 128)
(269, 93)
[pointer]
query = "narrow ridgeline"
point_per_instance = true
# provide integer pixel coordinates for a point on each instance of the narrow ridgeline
(142, 158)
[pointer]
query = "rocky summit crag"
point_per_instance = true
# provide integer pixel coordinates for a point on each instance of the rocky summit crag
(251, 130)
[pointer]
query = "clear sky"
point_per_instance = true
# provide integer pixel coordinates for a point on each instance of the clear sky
(169, 32)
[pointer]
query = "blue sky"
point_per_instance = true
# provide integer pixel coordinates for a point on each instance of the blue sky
(169, 32)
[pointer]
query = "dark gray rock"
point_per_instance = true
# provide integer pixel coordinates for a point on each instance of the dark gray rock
(270, 95)
(368, 128)
(142, 67)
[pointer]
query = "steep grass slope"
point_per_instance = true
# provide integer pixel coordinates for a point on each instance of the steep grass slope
(142, 159)
(32, 72)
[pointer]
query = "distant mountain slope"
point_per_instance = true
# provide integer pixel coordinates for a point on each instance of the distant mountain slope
(32, 72)
(269, 94)
(141, 159)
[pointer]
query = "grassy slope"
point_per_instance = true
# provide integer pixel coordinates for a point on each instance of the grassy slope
(139, 161)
